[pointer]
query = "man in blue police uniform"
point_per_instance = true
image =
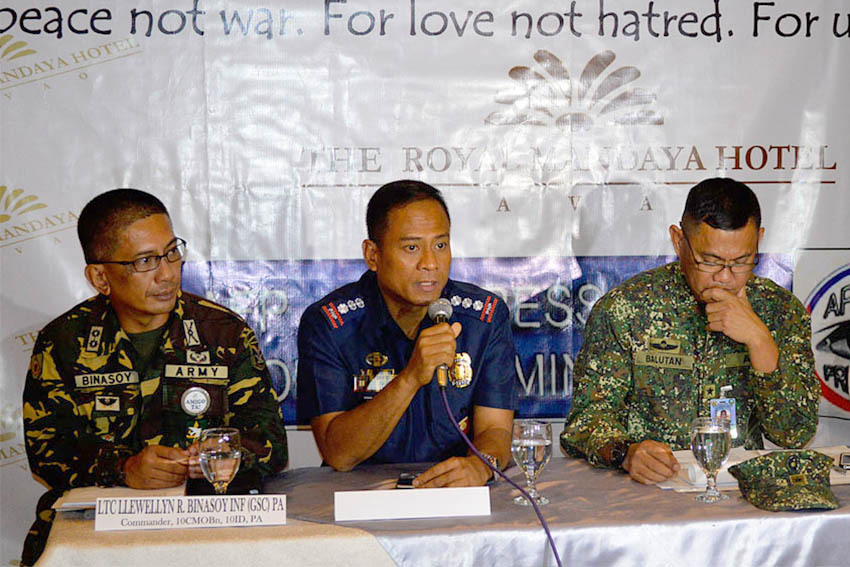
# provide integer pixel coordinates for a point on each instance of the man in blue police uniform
(367, 353)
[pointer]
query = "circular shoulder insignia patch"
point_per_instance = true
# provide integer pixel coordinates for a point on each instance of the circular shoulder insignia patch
(195, 400)
(36, 365)
(461, 374)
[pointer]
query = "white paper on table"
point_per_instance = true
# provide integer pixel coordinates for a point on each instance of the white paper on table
(415, 503)
(85, 497)
(691, 477)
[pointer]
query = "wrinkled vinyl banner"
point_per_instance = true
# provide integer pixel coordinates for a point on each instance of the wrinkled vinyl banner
(564, 135)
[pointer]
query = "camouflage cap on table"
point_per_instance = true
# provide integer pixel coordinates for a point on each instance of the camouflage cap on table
(787, 480)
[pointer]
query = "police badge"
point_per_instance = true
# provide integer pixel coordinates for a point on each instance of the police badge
(461, 374)
(376, 359)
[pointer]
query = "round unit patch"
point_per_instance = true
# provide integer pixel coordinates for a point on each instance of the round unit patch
(829, 305)
(195, 400)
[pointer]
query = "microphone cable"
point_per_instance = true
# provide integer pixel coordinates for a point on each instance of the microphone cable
(501, 474)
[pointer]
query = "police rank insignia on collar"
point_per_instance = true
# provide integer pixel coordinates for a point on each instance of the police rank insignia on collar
(461, 374)
(486, 307)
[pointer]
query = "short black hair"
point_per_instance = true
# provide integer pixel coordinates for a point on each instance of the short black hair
(102, 219)
(721, 203)
(397, 194)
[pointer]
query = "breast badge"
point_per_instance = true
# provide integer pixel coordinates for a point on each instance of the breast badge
(195, 400)
(376, 359)
(665, 344)
(461, 374)
(202, 357)
(107, 403)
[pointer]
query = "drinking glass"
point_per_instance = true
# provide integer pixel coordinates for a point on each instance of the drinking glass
(531, 447)
(710, 443)
(220, 455)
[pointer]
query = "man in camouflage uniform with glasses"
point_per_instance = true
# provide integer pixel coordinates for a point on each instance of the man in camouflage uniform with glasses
(120, 387)
(658, 349)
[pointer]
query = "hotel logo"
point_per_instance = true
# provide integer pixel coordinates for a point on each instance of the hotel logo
(15, 203)
(11, 50)
(547, 94)
(18, 225)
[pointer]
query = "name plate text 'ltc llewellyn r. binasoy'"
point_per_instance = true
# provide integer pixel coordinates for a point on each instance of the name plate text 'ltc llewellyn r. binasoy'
(169, 512)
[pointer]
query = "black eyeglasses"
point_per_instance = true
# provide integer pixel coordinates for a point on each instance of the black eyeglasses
(717, 267)
(150, 263)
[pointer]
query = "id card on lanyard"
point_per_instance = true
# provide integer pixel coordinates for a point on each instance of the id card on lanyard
(724, 407)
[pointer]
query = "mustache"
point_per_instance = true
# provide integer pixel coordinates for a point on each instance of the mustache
(164, 290)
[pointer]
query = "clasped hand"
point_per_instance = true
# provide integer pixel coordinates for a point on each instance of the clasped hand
(456, 471)
(650, 462)
(435, 346)
(731, 314)
(158, 466)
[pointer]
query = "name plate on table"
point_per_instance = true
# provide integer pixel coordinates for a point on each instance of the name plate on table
(169, 512)
(407, 504)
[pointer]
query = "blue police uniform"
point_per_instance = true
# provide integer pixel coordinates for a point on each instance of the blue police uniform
(349, 347)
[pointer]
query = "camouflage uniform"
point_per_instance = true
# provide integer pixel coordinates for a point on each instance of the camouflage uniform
(648, 367)
(86, 397)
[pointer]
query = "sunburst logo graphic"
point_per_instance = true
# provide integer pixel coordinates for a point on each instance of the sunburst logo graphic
(547, 94)
(14, 50)
(15, 202)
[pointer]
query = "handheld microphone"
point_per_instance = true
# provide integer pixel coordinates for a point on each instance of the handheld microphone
(440, 311)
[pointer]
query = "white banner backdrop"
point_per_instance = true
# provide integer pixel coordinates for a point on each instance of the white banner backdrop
(564, 135)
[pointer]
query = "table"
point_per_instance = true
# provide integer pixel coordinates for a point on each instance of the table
(598, 517)
(73, 541)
